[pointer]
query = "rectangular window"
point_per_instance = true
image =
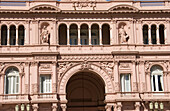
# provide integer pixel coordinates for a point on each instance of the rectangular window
(125, 82)
(157, 83)
(45, 84)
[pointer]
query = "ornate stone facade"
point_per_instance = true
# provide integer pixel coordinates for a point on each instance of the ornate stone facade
(93, 55)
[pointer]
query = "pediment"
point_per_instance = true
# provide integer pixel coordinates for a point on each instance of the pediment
(45, 8)
(123, 8)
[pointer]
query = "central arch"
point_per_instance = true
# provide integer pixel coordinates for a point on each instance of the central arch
(85, 92)
(75, 69)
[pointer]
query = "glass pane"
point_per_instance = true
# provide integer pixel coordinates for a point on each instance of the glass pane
(160, 83)
(154, 85)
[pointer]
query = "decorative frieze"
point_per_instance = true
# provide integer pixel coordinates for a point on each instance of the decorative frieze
(45, 58)
(86, 57)
(124, 57)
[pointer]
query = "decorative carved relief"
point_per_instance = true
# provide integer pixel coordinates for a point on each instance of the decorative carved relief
(63, 67)
(45, 67)
(124, 66)
(84, 4)
(108, 66)
(85, 65)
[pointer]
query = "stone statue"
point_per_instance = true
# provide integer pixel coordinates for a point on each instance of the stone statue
(123, 35)
(44, 35)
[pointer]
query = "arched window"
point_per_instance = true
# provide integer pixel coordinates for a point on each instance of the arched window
(73, 34)
(95, 34)
(161, 34)
(84, 34)
(106, 34)
(12, 35)
(21, 35)
(157, 78)
(145, 34)
(153, 34)
(4, 35)
(62, 34)
(12, 81)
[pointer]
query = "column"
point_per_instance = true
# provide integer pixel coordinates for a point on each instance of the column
(2, 76)
(20, 82)
(27, 33)
(116, 76)
(63, 107)
(68, 35)
(134, 88)
(90, 35)
(149, 35)
(0, 35)
(139, 34)
(54, 38)
(148, 82)
(142, 76)
(54, 77)
(165, 34)
(119, 106)
(34, 77)
(16, 35)
(8, 36)
(35, 107)
(27, 77)
(111, 37)
(137, 106)
(100, 35)
(157, 35)
(114, 32)
(79, 39)
(54, 107)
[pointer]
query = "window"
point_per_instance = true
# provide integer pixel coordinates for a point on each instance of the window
(153, 34)
(12, 35)
(145, 34)
(45, 84)
(21, 35)
(157, 78)
(12, 81)
(4, 35)
(125, 82)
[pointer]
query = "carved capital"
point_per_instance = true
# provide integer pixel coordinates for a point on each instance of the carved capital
(27, 63)
(54, 107)
(35, 107)
(34, 63)
(137, 106)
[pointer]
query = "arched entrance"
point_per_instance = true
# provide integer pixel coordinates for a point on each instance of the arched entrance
(85, 91)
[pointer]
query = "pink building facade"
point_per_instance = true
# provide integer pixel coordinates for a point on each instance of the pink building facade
(87, 55)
